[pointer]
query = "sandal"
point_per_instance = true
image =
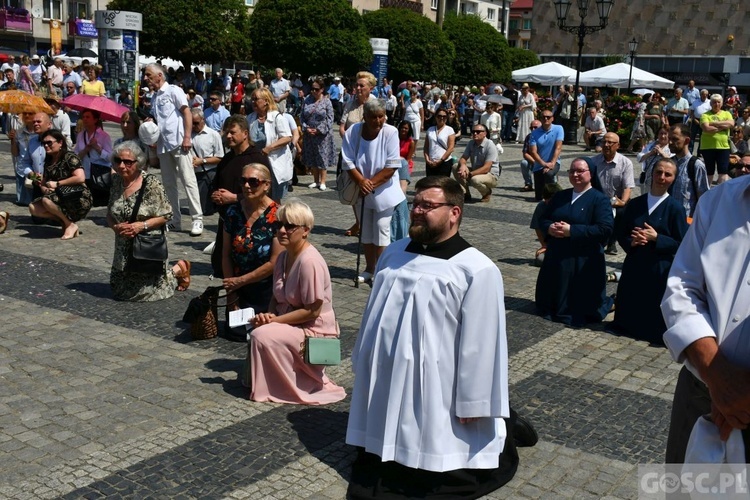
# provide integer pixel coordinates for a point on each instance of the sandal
(183, 280)
(4, 217)
(611, 278)
(352, 231)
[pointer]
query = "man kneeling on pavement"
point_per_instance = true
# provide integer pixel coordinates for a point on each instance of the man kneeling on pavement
(485, 166)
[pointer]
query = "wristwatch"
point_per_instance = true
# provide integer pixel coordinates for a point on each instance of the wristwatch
(204, 161)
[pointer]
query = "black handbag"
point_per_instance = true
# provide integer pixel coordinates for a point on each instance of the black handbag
(149, 250)
(70, 193)
(101, 177)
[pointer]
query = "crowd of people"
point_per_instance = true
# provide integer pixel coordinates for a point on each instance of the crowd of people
(232, 143)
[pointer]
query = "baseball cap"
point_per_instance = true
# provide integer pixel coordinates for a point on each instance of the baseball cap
(35, 56)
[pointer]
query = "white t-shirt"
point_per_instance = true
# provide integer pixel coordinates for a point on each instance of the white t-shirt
(411, 111)
(439, 141)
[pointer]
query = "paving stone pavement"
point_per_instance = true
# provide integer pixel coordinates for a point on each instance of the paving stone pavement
(101, 399)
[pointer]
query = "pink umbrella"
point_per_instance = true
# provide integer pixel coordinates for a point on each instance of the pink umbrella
(107, 108)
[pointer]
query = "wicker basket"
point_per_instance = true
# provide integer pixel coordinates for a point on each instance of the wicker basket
(206, 326)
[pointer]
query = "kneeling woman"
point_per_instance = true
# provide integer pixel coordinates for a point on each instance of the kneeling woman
(153, 211)
(302, 306)
(62, 170)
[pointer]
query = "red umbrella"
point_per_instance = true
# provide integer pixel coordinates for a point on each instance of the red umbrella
(107, 108)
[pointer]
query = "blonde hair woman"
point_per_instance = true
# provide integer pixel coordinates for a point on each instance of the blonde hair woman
(270, 134)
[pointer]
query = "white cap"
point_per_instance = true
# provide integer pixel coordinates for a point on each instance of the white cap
(148, 133)
(35, 56)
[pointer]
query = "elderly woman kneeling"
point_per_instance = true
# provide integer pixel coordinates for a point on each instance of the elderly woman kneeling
(302, 306)
(154, 210)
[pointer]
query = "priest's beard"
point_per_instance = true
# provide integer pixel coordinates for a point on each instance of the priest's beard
(422, 233)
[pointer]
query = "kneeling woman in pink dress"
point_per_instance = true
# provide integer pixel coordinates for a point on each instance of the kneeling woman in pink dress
(302, 306)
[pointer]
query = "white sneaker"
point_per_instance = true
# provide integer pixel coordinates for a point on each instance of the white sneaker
(500, 149)
(364, 277)
(197, 229)
(313, 185)
(322, 187)
(210, 248)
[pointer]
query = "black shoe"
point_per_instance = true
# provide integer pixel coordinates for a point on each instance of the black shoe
(524, 433)
(234, 336)
(467, 197)
(611, 249)
(291, 188)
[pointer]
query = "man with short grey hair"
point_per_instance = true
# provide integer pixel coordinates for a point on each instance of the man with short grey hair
(208, 150)
(280, 89)
(172, 114)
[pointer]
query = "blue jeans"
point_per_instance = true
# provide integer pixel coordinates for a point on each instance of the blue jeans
(507, 134)
(23, 196)
(278, 191)
(526, 173)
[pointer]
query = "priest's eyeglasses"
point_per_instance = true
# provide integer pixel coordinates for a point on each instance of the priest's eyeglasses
(426, 206)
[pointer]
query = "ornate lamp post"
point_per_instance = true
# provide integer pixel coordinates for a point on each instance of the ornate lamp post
(561, 8)
(633, 46)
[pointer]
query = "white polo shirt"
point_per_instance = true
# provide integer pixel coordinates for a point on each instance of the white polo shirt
(167, 104)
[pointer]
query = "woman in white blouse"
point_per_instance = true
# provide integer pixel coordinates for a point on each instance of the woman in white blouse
(439, 145)
(370, 155)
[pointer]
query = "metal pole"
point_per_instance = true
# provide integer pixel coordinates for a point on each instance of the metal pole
(440, 13)
(630, 75)
(572, 132)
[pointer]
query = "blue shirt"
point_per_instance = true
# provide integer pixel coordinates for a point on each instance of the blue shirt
(31, 158)
(215, 118)
(333, 92)
(545, 141)
(581, 100)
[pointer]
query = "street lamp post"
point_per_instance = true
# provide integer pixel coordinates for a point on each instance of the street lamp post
(633, 45)
(561, 9)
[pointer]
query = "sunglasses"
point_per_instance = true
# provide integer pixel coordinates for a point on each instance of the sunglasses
(48, 144)
(253, 182)
(289, 227)
(116, 160)
(316, 89)
(213, 99)
(477, 131)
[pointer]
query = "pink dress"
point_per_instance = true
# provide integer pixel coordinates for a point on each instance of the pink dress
(279, 373)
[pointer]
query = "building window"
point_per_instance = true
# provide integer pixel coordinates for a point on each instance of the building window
(13, 4)
(490, 14)
(526, 44)
(249, 3)
(52, 9)
(527, 24)
(513, 24)
(78, 10)
(434, 4)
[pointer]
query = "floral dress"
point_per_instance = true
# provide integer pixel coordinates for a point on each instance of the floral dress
(128, 285)
(250, 248)
(318, 150)
(74, 210)
(25, 84)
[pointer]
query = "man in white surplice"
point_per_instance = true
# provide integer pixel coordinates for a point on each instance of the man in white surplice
(431, 359)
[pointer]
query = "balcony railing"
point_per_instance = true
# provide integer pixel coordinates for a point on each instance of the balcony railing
(16, 21)
(402, 4)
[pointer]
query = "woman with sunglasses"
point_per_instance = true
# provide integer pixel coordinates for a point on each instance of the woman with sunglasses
(438, 146)
(61, 168)
(128, 160)
(250, 246)
(302, 306)
(319, 152)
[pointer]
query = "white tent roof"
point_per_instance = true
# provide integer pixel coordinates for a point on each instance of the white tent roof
(616, 75)
(550, 73)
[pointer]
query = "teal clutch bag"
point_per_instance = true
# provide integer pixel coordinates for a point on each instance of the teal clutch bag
(322, 351)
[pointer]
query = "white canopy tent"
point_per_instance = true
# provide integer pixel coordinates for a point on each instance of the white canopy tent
(550, 73)
(616, 75)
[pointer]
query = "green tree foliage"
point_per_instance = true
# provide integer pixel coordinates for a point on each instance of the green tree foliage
(522, 58)
(192, 30)
(309, 37)
(481, 50)
(418, 48)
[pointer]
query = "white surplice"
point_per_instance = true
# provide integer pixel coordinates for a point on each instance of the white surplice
(432, 348)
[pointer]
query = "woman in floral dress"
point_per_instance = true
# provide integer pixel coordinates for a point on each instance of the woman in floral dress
(318, 151)
(250, 245)
(62, 169)
(128, 159)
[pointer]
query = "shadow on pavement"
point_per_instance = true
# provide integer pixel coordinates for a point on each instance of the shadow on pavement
(318, 428)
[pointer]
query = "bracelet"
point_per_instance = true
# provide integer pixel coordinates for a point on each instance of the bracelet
(145, 226)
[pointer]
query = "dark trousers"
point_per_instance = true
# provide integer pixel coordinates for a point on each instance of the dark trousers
(619, 211)
(695, 138)
(508, 126)
(540, 179)
(338, 109)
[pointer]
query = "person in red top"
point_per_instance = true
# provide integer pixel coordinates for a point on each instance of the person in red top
(406, 144)
(238, 95)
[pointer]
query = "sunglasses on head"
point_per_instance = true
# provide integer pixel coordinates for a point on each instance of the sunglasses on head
(253, 182)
